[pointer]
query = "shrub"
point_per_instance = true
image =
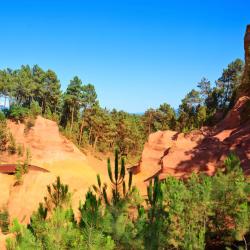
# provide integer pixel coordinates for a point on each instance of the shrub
(19, 173)
(2, 116)
(35, 109)
(27, 161)
(59, 195)
(3, 135)
(4, 221)
(18, 113)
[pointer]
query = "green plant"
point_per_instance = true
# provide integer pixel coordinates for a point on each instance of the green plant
(117, 181)
(35, 109)
(4, 221)
(2, 116)
(18, 113)
(27, 161)
(58, 194)
(19, 173)
(232, 162)
(42, 211)
(155, 214)
(90, 210)
(3, 135)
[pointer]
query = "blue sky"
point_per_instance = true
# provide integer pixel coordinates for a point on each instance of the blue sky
(137, 53)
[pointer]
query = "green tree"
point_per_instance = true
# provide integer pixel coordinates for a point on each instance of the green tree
(72, 102)
(89, 100)
(229, 82)
(205, 88)
(58, 195)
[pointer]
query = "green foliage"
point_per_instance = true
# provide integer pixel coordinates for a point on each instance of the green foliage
(119, 189)
(2, 116)
(230, 218)
(19, 173)
(163, 118)
(35, 109)
(4, 221)
(3, 135)
(199, 108)
(155, 216)
(58, 195)
(18, 113)
(201, 212)
(72, 102)
(27, 161)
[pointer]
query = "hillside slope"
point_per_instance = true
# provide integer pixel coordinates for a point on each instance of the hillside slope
(177, 154)
(52, 151)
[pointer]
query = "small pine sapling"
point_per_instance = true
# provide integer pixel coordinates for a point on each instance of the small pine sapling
(58, 194)
(117, 180)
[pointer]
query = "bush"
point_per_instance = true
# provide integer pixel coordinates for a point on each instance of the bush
(3, 135)
(18, 113)
(4, 221)
(2, 116)
(27, 161)
(35, 109)
(19, 173)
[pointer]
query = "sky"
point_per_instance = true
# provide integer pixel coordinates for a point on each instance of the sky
(137, 53)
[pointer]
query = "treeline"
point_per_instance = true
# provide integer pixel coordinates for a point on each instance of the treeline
(82, 119)
(200, 213)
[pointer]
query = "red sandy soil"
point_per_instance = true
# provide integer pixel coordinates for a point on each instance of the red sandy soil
(177, 154)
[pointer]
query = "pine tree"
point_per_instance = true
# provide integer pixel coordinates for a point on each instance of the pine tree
(58, 194)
